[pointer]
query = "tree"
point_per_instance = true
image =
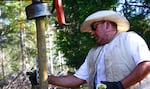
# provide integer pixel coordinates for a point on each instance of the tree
(15, 26)
(138, 13)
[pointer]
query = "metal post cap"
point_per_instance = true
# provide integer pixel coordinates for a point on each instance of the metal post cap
(36, 10)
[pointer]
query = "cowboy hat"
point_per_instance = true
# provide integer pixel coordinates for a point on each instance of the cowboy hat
(121, 21)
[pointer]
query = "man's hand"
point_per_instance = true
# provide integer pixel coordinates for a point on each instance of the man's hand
(33, 77)
(113, 85)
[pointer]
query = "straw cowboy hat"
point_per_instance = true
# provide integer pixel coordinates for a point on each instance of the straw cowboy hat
(121, 21)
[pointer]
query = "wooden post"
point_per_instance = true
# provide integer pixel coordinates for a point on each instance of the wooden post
(38, 10)
(41, 45)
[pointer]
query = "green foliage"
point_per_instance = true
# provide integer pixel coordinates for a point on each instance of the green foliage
(74, 46)
(15, 23)
(14, 66)
(147, 37)
(139, 24)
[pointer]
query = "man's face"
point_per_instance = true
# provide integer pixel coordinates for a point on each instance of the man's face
(99, 32)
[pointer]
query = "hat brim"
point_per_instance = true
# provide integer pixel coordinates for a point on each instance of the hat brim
(122, 23)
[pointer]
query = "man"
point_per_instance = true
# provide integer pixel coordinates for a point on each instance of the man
(120, 61)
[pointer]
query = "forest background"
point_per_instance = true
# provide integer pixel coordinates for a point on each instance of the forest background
(67, 47)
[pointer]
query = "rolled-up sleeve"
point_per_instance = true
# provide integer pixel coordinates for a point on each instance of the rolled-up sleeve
(82, 72)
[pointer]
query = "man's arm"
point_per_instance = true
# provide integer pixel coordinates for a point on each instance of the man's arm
(65, 81)
(139, 73)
